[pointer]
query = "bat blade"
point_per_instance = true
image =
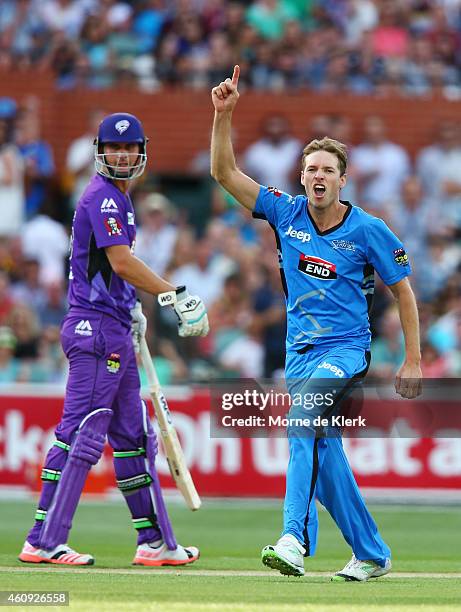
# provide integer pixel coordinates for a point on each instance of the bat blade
(174, 453)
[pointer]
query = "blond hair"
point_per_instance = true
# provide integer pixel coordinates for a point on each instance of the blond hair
(331, 146)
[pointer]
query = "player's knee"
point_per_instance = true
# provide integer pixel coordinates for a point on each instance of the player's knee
(87, 448)
(88, 444)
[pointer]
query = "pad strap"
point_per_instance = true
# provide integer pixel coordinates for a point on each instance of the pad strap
(51, 475)
(128, 485)
(144, 523)
(129, 453)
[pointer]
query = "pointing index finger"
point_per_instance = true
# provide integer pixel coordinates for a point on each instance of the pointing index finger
(235, 75)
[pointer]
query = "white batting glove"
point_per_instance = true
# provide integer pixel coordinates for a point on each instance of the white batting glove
(138, 325)
(191, 312)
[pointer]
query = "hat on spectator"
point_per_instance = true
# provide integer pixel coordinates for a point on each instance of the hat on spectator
(157, 202)
(7, 338)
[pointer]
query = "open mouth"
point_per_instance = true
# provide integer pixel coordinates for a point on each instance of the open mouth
(319, 190)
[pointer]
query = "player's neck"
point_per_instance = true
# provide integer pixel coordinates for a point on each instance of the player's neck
(122, 186)
(326, 218)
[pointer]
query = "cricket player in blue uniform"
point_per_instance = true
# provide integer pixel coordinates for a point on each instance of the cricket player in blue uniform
(328, 251)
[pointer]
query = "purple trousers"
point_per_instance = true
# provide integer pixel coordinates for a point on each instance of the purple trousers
(103, 374)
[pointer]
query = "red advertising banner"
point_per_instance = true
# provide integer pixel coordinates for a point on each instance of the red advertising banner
(227, 466)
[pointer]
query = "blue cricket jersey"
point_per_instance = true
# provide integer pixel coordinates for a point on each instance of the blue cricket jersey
(328, 277)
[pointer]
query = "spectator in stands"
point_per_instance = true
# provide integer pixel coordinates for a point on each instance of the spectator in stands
(446, 177)
(25, 326)
(29, 290)
(430, 159)
(11, 173)
(236, 339)
(51, 365)
(409, 215)
(156, 237)
(94, 45)
(150, 17)
(274, 158)
(198, 271)
(442, 260)
(80, 156)
(434, 364)
(52, 312)
(46, 241)
(381, 166)
(269, 17)
(270, 318)
(65, 16)
(388, 349)
(37, 156)
(124, 43)
(390, 37)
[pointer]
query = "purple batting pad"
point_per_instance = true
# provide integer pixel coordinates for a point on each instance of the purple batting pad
(86, 450)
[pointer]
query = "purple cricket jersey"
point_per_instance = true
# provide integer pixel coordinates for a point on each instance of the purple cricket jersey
(104, 217)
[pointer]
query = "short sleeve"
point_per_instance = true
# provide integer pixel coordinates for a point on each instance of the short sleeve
(273, 205)
(386, 253)
(107, 218)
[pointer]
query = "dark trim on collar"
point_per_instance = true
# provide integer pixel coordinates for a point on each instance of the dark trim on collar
(335, 227)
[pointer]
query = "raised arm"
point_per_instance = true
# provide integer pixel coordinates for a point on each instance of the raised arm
(223, 166)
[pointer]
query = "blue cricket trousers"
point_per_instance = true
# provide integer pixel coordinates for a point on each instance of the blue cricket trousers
(318, 467)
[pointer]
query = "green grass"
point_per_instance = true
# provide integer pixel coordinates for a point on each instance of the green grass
(230, 536)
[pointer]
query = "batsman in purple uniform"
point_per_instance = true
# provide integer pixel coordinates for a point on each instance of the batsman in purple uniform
(100, 335)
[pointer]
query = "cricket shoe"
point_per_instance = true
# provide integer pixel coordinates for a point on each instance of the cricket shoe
(287, 556)
(157, 554)
(360, 571)
(61, 555)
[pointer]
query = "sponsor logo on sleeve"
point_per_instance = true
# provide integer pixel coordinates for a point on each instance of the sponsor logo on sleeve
(275, 191)
(316, 267)
(400, 257)
(113, 227)
(130, 217)
(113, 363)
(109, 206)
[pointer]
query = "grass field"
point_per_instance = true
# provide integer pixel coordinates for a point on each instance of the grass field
(230, 536)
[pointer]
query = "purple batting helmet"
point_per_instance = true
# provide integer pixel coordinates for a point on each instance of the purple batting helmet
(120, 127)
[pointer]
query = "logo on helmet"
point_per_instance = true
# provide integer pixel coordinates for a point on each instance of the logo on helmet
(122, 126)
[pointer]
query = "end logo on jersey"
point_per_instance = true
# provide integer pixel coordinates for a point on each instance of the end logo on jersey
(113, 227)
(113, 363)
(275, 191)
(401, 257)
(316, 267)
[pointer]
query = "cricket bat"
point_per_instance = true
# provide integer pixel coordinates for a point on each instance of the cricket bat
(173, 451)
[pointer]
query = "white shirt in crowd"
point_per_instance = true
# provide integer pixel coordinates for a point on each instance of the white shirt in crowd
(391, 164)
(272, 165)
(46, 241)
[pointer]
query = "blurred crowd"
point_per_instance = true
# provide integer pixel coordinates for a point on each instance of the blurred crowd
(232, 261)
(360, 46)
